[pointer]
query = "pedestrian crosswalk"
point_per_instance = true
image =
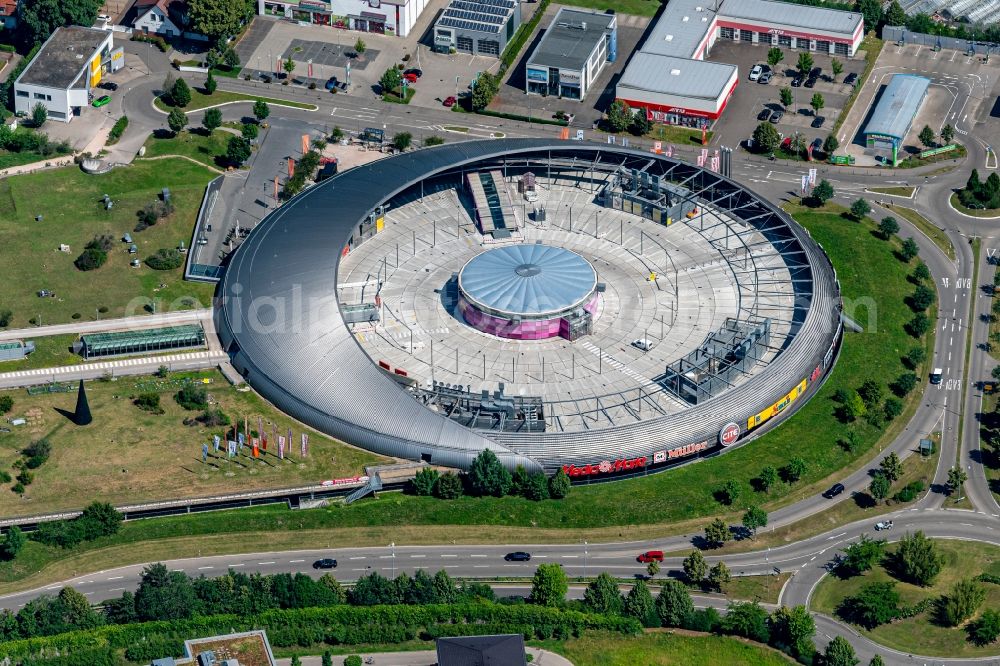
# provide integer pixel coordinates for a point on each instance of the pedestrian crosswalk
(613, 362)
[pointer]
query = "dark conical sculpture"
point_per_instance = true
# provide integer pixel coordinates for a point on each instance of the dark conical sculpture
(82, 415)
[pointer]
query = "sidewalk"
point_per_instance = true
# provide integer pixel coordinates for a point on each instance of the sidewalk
(426, 658)
(125, 323)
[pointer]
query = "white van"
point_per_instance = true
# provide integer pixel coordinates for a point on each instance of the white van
(936, 376)
(643, 344)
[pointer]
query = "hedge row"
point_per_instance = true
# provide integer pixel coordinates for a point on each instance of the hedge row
(516, 116)
(334, 625)
(515, 45)
(117, 130)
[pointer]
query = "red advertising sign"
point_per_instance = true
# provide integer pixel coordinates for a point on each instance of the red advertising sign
(687, 450)
(815, 374)
(349, 479)
(729, 434)
(606, 467)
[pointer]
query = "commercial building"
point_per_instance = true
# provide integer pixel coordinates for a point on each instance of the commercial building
(67, 67)
(572, 53)
(506, 649)
(8, 14)
(482, 27)
(384, 17)
(893, 115)
(250, 648)
(669, 78)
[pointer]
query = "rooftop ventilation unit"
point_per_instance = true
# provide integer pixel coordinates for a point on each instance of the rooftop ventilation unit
(675, 72)
(668, 38)
(686, 19)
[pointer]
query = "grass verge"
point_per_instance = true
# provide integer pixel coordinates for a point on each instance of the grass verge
(397, 97)
(660, 648)
(200, 100)
(196, 143)
(989, 213)
(920, 634)
(50, 351)
(926, 228)
(898, 191)
(913, 161)
(678, 135)
(989, 442)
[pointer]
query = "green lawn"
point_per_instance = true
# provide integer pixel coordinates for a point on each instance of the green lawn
(200, 100)
(913, 161)
(634, 7)
(926, 228)
(10, 159)
(898, 191)
(963, 559)
(988, 213)
(209, 149)
(68, 201)
(396, 96)
(679, 135)
(50, 351)
(660, 648)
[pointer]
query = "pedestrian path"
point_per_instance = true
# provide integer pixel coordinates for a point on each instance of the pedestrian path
(123, 366)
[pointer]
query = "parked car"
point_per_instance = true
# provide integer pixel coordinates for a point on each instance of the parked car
(44, 293)
(810, 82)
(818, 121)
(266, 78)
(851, 78)
(764, 115)
(765, 77)
(325, 563)
(776, 116)
(331, 83)
(416, 71)
(410, 77)
(786, 144)
(517, 556)
(101, 101)
(797, 81)
(643, 344)
(108, 85)
(816, 145)
(936, 376)
(816, 72)
(756, 72)
(450, 101)
(834, 490)
(883, 525)
(650, 556)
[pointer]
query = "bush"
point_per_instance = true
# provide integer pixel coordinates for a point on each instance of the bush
(165, 259)
(910, 492)
(352, 660)
(6, 404)
(6, 316)
(192, 397)
(149, 402)
(117, 130)
(97, 520)
(214, 418)
(91, 259)
(156, 40)
(37, 453)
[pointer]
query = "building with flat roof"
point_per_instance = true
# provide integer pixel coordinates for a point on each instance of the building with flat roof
(248, 648)
(890, 121)
(482, 27)
(69, 65)
(505, 649)
(669, 78)
(383, 17)
(572, 53)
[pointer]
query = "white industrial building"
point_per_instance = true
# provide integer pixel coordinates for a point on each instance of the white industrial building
(572, 53)
(69, 65)
(384, 17)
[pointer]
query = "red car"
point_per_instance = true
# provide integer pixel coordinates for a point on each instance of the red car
(410, 77)
(450, 101)
(651, 556)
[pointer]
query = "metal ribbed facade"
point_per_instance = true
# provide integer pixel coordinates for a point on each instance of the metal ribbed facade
(300, 355)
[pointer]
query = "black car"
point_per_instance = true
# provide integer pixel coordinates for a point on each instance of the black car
(416, 71)
(108, 85)
(818, 121)
(325, 563)
(764, 115)
(797, 81)
(810, 82)
(517, 556)
(815, 73)
(851, 78)
(834, 490)
(816, 145)
(776, 116)
(266, 78)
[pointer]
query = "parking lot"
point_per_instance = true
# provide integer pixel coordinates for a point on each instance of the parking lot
(750, 98)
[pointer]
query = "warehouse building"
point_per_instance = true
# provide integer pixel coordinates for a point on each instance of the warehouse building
(482, 27)
(69, 65)
(669, 78)
(893, 115)
(572, 53)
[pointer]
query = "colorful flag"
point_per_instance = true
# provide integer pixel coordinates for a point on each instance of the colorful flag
(305, 445)
(256, 449)
(289, 440)
(281, 448)
(204, 452)
(231, 448)
(217, 441)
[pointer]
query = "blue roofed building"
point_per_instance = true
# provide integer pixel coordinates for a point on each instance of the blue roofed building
(893, 115)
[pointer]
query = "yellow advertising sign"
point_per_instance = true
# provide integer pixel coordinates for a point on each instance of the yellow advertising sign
(379, 224)
(778, 407)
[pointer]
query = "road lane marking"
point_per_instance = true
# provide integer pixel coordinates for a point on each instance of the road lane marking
(363, 557)
(203, 568)
(295, 561)
(241, 564)
(116, 577)
(265, 563)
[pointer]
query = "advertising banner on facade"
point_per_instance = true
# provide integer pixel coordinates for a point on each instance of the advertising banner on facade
(777, 407)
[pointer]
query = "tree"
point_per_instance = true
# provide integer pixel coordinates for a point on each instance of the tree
(794, 470)
(218, 19)
(295, 661)
(212, 120)
(995, 372)
(559, 484)
(892, 408)
(352, 660)
(237, 150)
(717, 533)
(674, 604)
(823, 192)
(39, 18)
(488, 476)
(768, 477)
(6, 404)
(862, 555)
(888, 227)
(805, 63)
(947, 133)
(876, 660)
(837, 67)
(891, 467)
(250, 131)
(917, 559)
(695, 567)
(402, 141)
(641, 124)
(718, 576)
(792, 629)
(817, 103)
(424, 481)
(6, 316)
(231, 58)
(754, 518)
(766, 138)
(986, 629)
(786, 96)
(839, 653)
(956, 477)
(640, 605)
(859, 209)
(747, 619)
(537, 487)
(872, 11)
(13, 542)
(774, 56)
(855, 408)
(448, 486)
(602, 595)
(895, 15)
(909, 250)
(390, 80)
(176, 120)
(830, 144)
(164, 595)
(288, 65)
(485, 87)
(210, 83)
(261, 110)
(549, 585)
(926, 136)
(39, 114)
(973, 184)
(965, 598)
(180, 93)
(360, 46)
(879, 487)
(327, 659)
(731, 491)
(619, 116)
(874, 604)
